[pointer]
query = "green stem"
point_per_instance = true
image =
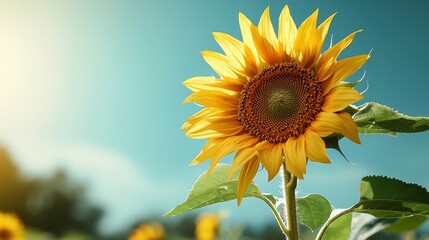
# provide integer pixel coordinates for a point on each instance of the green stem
(331, 220)
(290, 183)
(276, 214)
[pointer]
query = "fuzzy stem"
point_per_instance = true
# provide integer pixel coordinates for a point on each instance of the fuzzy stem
(290, 183)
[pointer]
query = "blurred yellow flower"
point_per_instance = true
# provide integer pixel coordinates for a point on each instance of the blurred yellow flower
(207, 226)
(148, 232)
(277, 96)
(11, 227)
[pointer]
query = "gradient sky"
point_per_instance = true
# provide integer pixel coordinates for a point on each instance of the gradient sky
(95, 87)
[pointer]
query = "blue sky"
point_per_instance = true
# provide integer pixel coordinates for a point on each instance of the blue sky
(95, 87)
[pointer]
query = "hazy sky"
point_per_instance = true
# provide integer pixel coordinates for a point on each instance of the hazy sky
(95, 87)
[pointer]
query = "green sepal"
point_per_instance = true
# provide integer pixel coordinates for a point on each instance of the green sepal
(351, 109)
(333, 142)
(349, 84)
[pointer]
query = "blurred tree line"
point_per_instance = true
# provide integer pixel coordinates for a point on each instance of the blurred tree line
(53, 203)
(56, 205)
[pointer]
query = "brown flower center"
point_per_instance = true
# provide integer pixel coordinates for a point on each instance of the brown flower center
(280, 102)
(5, 234)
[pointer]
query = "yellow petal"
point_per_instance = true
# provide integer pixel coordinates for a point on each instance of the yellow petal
(235, 81)
(350, 127)
(211, 83)
(217, 148)
(265, 50)
(327, 123)
(199, 83)
(328, 59)
(287, 30)
(229, 145)
(265, 41)
(215, 99)
(212, 128)
(202, 114)
(232, 47)
(324, 28)
(344, 69)
(264, 47)
(339, 98)
(220, 64)
(206, 114)
(271, 158)
(246, 27)
(235, 50)
(251, 62)
(246, 176)
(315, 147)
(266, 29)
(306, 41)
(241, 158)
(294, 150)
(207, 151)
(319, 39)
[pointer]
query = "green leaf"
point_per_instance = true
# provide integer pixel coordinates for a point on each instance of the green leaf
(381, 187)
(339, 229)
(392, 208)
(406, 224)
(391, 198)
(215, 188)
(313, 210)
(376, 118)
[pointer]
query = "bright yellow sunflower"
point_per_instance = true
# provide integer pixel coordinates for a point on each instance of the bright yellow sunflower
(10, 227)
(276, 98)
(148, 232)
(207, 226)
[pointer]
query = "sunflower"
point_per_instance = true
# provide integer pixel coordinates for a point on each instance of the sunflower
(10, 227)
(276, 98)
(207, 226)
(148, 232)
